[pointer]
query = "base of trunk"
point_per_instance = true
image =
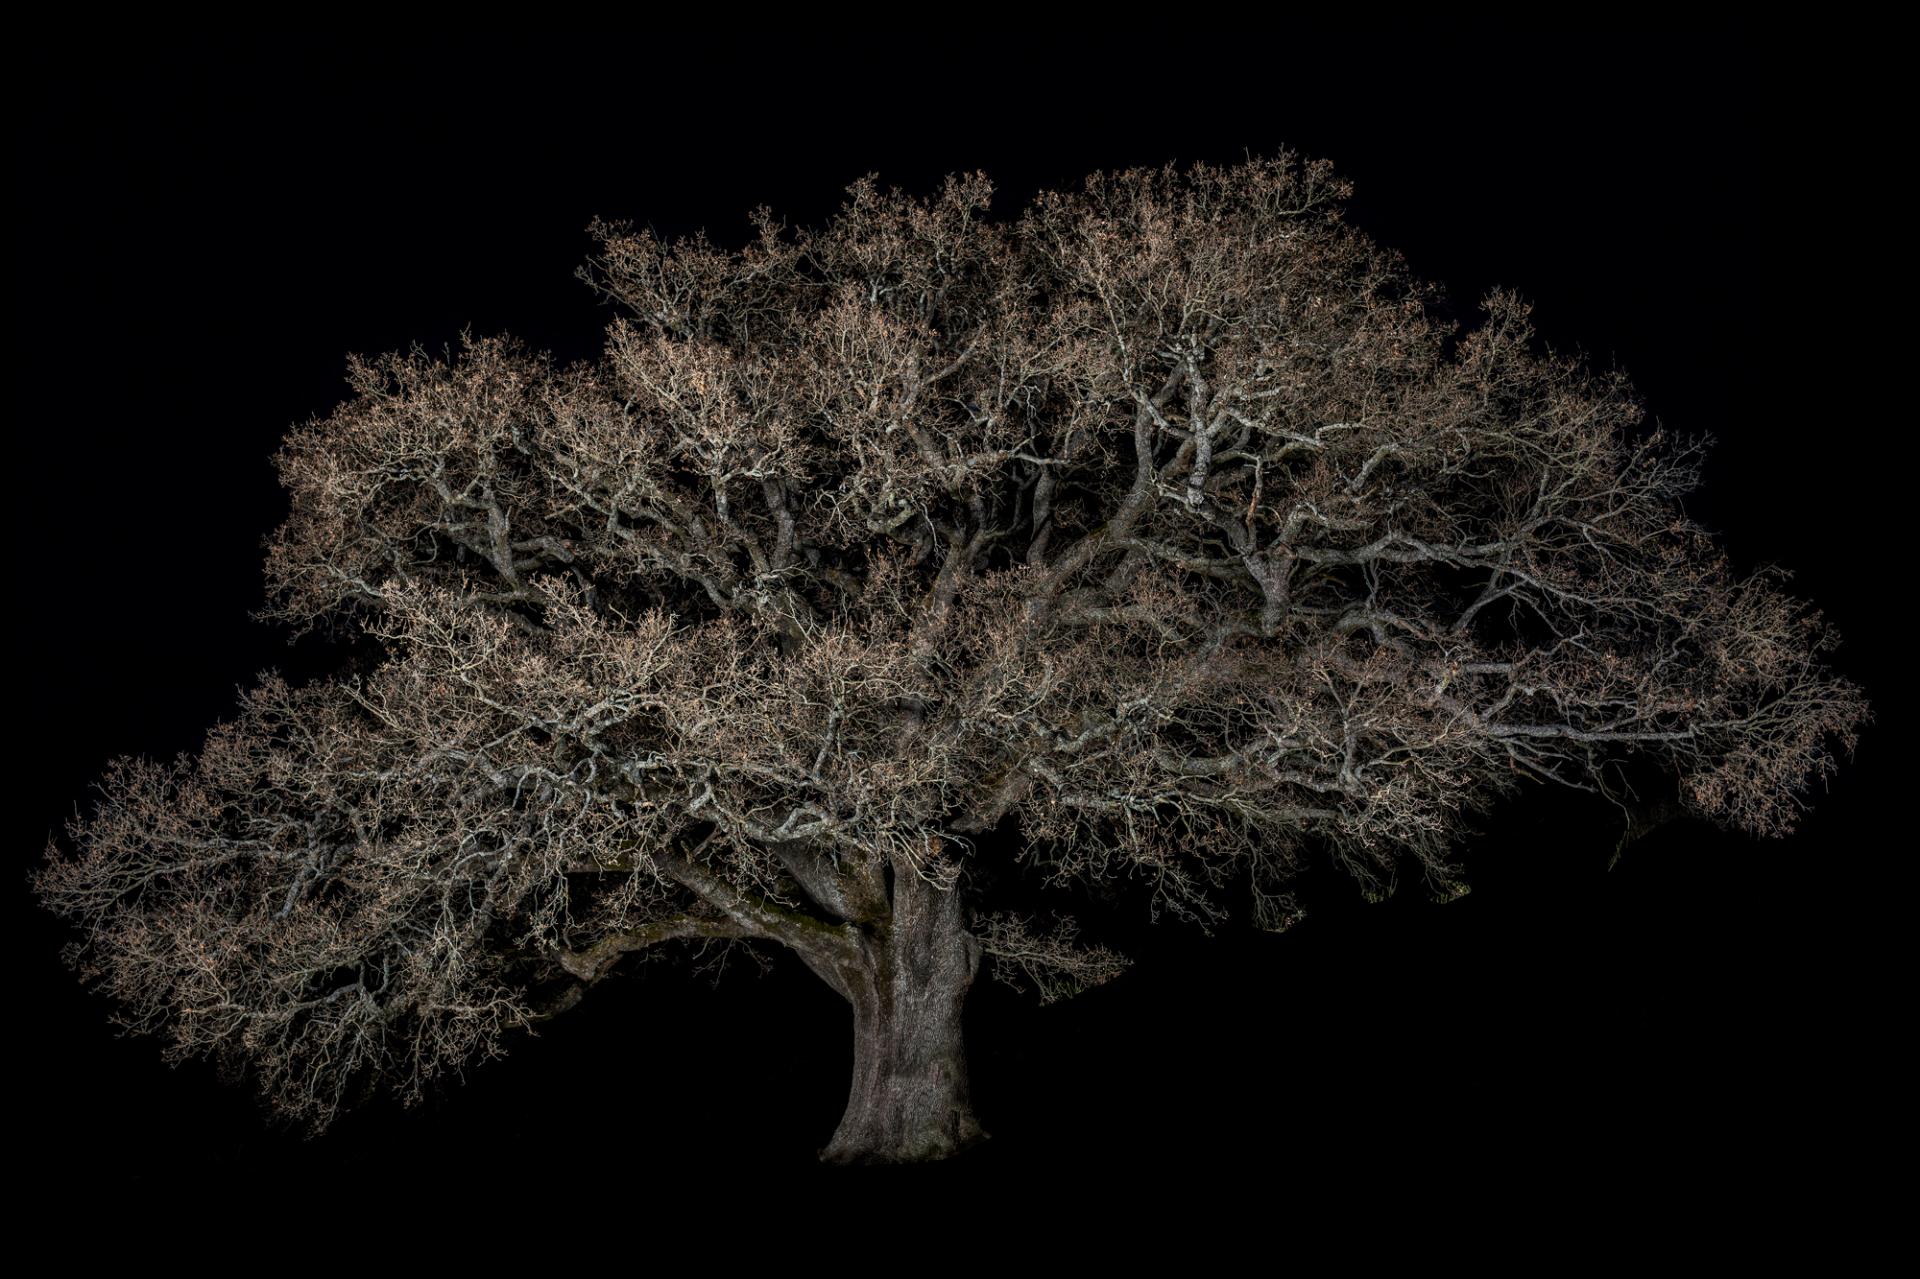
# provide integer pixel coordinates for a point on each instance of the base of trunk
(906, 1139)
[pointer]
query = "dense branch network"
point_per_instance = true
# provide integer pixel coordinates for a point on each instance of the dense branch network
(1166, 524)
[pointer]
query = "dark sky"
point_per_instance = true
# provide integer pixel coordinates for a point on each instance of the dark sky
(209, 228)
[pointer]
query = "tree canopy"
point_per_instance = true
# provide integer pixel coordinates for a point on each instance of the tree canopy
(1170, 530)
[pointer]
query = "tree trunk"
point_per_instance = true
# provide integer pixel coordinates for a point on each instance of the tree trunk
(909, 1102)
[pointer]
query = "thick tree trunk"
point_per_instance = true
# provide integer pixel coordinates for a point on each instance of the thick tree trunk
(909, 1102)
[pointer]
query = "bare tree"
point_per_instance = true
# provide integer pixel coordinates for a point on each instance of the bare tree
(1166, 530)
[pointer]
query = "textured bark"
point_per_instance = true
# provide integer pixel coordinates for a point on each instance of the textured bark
(910, 1101)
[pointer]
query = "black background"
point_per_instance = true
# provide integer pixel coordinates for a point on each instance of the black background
(211, 227)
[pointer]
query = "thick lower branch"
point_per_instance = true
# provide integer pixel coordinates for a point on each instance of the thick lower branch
(592, 964)
(755, 916)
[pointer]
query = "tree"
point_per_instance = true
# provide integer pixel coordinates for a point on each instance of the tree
(1168, 532)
